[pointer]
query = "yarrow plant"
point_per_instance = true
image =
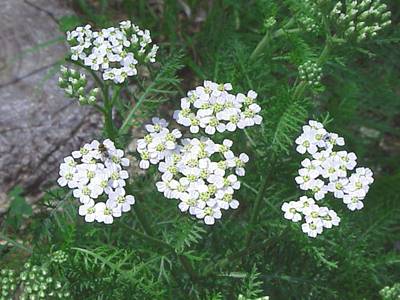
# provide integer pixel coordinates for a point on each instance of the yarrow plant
(115, 52)
(325, 171)
(198, 206)
(212, 108)
(198, 172)
(96, 177)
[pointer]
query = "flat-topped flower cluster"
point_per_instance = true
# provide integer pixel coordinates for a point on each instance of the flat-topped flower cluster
(113, 51)
(326, 171)
(213, 108)
(201, 174)
(96, 176)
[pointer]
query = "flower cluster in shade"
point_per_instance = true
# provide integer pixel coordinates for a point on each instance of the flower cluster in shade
(311, 73)
(213, 108)
(34, 282)
(97, 178)
(361, 19)
(325, 171)
(201, 174)
(74, 85)
(115, 51)
(310, 16)
(390, 292)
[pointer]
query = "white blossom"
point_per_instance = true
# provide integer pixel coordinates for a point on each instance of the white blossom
(96, 177)
(199, 173)
(115, 52)
(325, 171)
(214, 109)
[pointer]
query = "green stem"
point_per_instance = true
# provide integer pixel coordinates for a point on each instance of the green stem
(127, 122)
(96, 78)
(15, 244)
(143, 220)
(150, 237)
(301, 87)
(265, 40)
(257, 203)
(108, 119)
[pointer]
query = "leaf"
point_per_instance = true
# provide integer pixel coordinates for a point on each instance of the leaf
(19, 208)
(69, 22)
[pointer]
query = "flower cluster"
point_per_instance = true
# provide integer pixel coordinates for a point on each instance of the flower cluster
(390, 293)
(309, 24)
(95, 173)
(37, 283)
(310, 16)
(8, 283)
(326, 171)
(361, 19)
(213, 108)
(59, 257)
(311, 73)
(158, 144)
(199, 173)
(114, 51)
(74, 85)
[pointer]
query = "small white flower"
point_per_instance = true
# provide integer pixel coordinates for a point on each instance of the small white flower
(209, 214)
(306, 143)
(353, 202)
(312, 229)
(338, 187)
(291, 211)
(88, 211)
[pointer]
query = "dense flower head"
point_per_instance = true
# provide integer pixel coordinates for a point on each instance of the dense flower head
(158, 143)
(115, 51)
(8, 283)
(311, 73)
(201, 174)
(36, 282)
(326, 171)
(96, 176)
(75, 86)
(361, 19)
(213, 108)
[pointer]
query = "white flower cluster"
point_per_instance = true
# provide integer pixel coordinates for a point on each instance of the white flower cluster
(325, 171)
(158, 144)
(201, 174)
(95, 173)
(311, 73)
(213, 108)
(74, 85)
(361, 19)
(114, 51)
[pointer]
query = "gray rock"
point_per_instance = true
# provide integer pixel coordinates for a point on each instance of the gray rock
(38, 125)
